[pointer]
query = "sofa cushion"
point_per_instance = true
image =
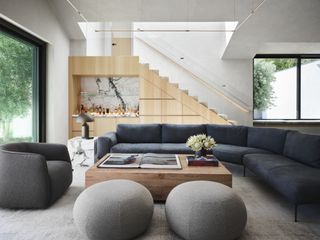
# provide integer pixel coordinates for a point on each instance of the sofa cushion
(139, 133)
(296, 181)
(299, 183)
(233, 135)
(232, 153)
(176, 148)
(304, 148)
(261, 164)
(136, 148)
(176, 133)
(271, 139)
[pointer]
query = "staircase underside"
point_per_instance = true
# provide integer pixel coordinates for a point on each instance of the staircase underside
(162, 101)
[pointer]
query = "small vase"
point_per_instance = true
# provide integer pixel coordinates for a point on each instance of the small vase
(201, 153)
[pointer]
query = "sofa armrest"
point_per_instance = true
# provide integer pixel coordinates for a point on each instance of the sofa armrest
(103, 144)
(50, 151)
(24, 180)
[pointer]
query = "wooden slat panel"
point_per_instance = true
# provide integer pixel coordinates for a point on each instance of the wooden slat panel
(150, 119)
(150, 107)
(171, 107)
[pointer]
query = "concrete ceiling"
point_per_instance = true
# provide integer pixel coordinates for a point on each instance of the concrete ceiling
(286, 26)
(276, 21)
(149, 11)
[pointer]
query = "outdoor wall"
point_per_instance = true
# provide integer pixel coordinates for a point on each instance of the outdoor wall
(201, 53)
(37, 17)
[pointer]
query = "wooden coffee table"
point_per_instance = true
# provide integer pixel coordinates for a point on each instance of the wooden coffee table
(160, 181)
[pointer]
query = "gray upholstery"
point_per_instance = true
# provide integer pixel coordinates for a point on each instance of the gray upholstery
(136, 148)
(266, 151)
(151, 148)
(175, 148)
(261, 164)
(270, 139)
(234, 154)
(60, 175)
(304, 148)
(103, 144)
(33, 175)
(176, 133)
(296, 181)
(139, 133)
(226, 134)
(203, 210)
(113, 210)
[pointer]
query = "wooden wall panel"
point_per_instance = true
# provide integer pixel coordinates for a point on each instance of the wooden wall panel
(160, 101)
(150, 107)
(171, 107)
(150, 119)
(171, 119)
(121, 47)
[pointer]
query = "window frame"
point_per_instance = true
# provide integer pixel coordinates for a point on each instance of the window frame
(18, 33)
(299, 57)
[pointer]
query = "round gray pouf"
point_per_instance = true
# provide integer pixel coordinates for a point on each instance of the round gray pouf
(113, 210)
(203, 210)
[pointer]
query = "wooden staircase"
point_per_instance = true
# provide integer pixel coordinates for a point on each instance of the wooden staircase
(162, 101)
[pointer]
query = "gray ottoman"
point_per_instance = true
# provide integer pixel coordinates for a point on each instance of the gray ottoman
(113, 210)
(203, 210)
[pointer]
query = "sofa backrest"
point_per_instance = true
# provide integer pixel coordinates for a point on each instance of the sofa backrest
(139, 133)
(226, 134)
(179, 133)
(304, 148)
(271, 139)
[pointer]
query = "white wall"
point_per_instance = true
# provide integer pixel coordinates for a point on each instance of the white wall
(37, 16)
(202, 53)
(78, 47)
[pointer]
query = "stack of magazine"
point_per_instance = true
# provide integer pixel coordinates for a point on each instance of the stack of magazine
(148, 160)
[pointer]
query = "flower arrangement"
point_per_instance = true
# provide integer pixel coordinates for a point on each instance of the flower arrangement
(200, 141)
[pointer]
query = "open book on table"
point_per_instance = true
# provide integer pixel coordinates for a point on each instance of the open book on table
(148, 160)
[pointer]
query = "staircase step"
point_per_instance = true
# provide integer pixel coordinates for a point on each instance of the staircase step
(155, 71)
(213, 110)
(224, 116)
(195, 98)
(233, 122)
(204, 104)
(175, 85)
(165, 79)
(185, 91)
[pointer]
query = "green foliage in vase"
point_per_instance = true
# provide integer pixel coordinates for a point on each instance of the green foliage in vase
(16, 59)
(262, 84)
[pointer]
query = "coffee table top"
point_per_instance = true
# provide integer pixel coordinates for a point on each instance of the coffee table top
(193, 170)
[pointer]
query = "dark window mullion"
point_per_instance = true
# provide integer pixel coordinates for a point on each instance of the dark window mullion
(299, 88)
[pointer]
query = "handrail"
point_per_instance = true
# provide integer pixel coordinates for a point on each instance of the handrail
(200, 80)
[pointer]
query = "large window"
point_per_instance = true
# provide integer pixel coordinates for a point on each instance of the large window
(286, 87)
(22, 86)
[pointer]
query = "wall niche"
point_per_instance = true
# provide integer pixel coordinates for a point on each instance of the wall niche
(110, 95)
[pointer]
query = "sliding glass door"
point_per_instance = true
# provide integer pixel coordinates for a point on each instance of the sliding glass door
(20, 97)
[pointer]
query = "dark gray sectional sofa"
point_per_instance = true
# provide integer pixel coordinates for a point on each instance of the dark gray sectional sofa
(289, 161)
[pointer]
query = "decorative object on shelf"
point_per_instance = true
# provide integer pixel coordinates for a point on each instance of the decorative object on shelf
(200, 143)
(84, 118)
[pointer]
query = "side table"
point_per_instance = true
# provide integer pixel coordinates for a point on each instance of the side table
(79, 147)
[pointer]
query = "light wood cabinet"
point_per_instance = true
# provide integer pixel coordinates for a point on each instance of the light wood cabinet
(160, 101)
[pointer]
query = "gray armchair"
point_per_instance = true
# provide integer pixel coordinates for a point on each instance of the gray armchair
(33, 175)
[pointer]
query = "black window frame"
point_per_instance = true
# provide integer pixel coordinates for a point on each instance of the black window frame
(299, 57)
(18, 33)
